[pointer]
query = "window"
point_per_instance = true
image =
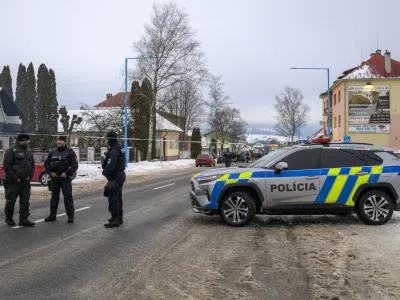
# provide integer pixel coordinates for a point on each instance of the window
(371, 159)
(341, 158)
(338, 100)
(303, 160)
(334, 99)
(334, 122)
(338, 121)
(266, 160)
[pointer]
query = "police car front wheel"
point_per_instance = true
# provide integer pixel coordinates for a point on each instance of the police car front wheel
(375, 208)
(237, 209)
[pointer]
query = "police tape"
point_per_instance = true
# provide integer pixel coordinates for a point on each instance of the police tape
(86, 137)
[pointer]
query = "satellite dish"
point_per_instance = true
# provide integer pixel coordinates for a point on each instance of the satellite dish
(321, 123)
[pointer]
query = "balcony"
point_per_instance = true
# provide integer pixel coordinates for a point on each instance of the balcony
(326, 111)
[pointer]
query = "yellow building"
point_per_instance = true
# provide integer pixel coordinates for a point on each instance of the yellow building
(364, 105)
(216, 146)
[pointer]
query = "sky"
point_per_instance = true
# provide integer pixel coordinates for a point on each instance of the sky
(252, 44)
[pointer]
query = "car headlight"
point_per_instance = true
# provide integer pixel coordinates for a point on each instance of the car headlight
(205, 179)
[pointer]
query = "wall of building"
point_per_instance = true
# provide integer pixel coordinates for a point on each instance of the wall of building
(391, 139)
(172, 146)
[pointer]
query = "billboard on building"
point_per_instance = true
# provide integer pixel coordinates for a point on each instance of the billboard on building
(369, 109)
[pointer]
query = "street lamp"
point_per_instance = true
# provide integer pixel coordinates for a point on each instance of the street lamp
(126, 103)
(329, 96)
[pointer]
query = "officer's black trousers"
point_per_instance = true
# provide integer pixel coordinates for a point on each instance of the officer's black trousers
(13, 191)
(63, 184)
(228, 163)
(115, 203)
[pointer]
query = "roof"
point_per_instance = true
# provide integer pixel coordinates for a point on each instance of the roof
(317, 134)
(116, 100)
(344, 146)
(373, 68)
(10, 108)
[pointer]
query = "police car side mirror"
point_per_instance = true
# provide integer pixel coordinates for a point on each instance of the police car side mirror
(280, 167)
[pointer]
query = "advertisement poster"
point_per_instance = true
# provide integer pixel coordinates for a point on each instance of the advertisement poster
(369, 109)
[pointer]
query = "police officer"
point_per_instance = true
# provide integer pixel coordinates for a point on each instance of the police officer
(228, 158)
(19, 167)
(62, 165)
(114, 170)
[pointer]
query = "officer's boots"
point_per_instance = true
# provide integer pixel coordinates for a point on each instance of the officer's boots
(114, 223)
(121, 220)
(10, 221)
(26, 222)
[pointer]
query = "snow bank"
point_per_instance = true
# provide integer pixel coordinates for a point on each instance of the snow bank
(92, 172)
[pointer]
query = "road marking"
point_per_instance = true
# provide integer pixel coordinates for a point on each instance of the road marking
(60, 215)
(160, 187)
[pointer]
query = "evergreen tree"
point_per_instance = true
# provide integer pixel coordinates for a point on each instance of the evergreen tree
(140, 115)
(195, 143)
(20, 95)
(31, 100)
(6, 81)
(53, 103)
(43, 99)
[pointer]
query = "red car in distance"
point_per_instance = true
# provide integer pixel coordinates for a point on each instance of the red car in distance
(205, 160)
(40, 174)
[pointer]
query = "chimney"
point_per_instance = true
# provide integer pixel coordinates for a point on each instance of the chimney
(108, 96)
(388, 62)
(379, 52)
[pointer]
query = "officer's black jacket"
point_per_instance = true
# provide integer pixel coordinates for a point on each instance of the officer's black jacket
(113, 163)
(18, 163)
(61, 160)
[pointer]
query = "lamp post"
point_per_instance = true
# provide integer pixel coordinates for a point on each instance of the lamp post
(329, 96)
(126, 103)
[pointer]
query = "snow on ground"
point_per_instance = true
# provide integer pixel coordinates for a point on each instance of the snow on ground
(93, 172)
(265, 137)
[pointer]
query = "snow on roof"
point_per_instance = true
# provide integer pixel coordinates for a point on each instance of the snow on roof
(373, 68)
(161, 123)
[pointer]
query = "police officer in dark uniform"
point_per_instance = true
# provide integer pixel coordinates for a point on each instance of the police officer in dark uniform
(114, 170)
(228, 158)
(19, 167)
(62, 164)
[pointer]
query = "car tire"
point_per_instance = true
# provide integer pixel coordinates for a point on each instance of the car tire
(197, 166)
(375, 208)
(237, 209)
(44, 179)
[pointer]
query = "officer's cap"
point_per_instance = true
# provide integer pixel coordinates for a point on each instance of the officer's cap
(23, 137)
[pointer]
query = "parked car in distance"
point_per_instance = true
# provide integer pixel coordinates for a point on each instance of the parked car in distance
(205, 160)
(40, 174)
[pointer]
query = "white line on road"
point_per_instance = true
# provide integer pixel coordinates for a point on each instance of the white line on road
(160, 187)
(60, 215)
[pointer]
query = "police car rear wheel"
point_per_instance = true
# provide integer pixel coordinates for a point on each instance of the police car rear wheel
(375, 208)
(237, 209)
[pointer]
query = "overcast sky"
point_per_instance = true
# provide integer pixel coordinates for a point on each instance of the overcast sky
(251, 44)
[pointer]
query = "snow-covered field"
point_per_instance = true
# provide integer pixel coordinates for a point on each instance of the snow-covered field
(92, 172)
(265, 137)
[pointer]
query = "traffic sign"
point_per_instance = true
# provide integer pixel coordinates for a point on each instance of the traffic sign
(347, 139)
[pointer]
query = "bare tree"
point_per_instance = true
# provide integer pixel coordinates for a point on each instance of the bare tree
(97, 122)
(217, 93)
(228, 125)
(172, 41)
(187, 103)
(68, 126)
(292, 112)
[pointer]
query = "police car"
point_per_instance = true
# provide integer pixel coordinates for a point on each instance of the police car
(318, 177)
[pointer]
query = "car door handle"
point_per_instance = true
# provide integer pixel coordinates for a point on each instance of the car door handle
(362, 173)
(311, 177)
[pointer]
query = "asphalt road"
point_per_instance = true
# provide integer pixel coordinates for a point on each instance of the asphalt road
(84, 260)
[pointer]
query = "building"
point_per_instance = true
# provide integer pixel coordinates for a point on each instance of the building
(10, 119)
(167, 133)
(205, 144)
(364, 104)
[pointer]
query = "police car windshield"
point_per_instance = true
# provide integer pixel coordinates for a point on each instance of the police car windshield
(271, 156)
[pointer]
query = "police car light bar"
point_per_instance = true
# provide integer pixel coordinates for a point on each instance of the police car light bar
(321, 141)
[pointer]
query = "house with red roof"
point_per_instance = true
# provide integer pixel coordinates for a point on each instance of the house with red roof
(365, 103)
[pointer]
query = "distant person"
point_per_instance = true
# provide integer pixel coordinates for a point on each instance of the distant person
(114, 170)
(228, 158)
(19, 167)
(247, 157)
(62, 165)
